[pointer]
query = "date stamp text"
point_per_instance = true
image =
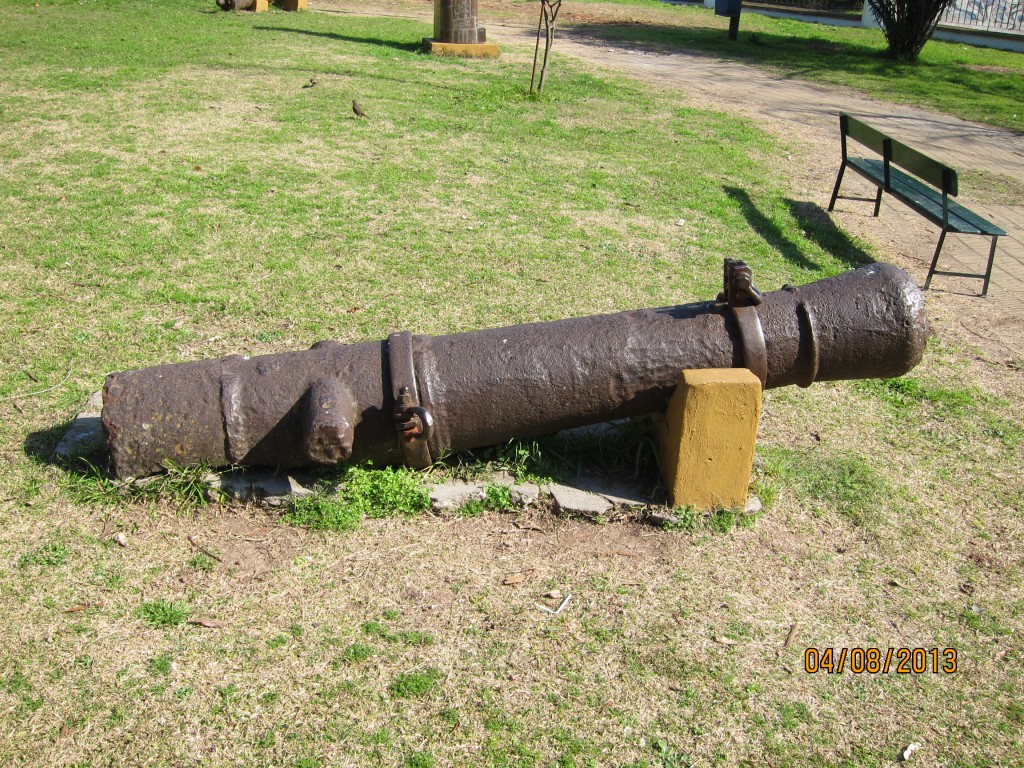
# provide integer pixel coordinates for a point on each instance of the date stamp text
(901, 661)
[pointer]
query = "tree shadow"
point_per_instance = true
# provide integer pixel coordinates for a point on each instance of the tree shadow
(306, 71)
(410, 47)
(793, 55)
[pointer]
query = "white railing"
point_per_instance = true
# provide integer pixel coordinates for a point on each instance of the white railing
(1007, 15)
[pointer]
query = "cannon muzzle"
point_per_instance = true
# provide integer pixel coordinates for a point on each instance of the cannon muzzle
(412, 399)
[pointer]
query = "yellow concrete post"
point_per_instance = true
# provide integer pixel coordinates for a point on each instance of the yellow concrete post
(709, 437)
(465, 50)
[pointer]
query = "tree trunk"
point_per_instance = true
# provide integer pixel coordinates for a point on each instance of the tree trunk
(907, 24)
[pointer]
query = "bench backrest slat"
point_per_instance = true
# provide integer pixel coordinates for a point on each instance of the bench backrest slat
(924, 167)
(935, 173)
(862, 133)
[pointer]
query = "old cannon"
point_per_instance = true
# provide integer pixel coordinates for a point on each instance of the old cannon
(236, 5)
(411, 399)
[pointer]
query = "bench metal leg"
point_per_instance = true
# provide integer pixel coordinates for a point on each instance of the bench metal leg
(878, 201)
(935, 260)
(835, 190)
(988, 270)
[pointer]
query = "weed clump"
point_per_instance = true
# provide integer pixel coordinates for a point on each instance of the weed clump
(54, 553)
(187, 488)
(163, 613)
(497, 498)
(906, 392)
(690, 520)
(202, 562)
(410, 685)
(419, 760)
(385, 492)
(322, 513)
(356, 653)
(406, 637)
(362, 493)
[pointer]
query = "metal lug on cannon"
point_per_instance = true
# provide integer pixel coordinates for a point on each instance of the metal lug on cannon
(328, 426)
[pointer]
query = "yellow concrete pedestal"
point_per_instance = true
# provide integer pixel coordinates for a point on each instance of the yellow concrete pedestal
(709, 437)
(469, 50)
(293, 5)
(259, 6)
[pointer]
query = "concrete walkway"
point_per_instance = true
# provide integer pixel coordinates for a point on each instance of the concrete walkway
(807, 113)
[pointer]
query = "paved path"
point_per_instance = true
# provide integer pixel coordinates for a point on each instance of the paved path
(811, 110)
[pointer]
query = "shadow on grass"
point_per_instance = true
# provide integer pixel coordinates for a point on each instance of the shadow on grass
(794, 54)
(939, 79)
(83, 440)
(816, 225)
(39, 445)
(410, 47)
(768, 230)
(819, 228)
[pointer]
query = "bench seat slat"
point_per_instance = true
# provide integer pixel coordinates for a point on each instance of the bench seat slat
(924, 199)
(873, 170)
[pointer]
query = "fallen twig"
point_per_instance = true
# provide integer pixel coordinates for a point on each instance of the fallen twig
(792, 635)
(39, 391)
(201, 548)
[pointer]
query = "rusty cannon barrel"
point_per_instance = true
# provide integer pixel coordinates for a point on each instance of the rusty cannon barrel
(411, 399)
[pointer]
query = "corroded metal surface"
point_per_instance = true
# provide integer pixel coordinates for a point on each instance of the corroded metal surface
(414, 398)
(235, 5)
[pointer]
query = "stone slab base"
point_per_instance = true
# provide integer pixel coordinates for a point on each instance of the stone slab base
(709, 435)
(469, 50)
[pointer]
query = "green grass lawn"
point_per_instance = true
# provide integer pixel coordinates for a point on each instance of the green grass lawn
(169, 191)
(178, 183)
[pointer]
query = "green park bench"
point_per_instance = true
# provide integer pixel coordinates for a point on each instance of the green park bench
(927, 189)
